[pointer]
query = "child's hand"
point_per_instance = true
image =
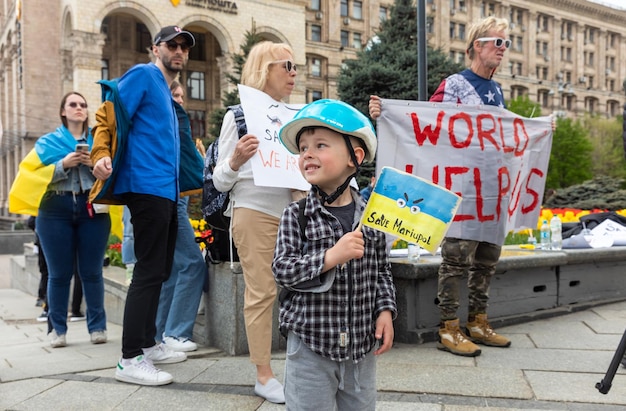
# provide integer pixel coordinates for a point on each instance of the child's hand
(349, 247)
(384, 332)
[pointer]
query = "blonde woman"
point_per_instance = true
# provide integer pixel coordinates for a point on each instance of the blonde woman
(256, 211)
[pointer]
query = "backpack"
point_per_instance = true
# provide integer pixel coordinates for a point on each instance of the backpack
(215, 202)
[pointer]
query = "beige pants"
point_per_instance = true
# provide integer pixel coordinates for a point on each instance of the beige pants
(254, 234)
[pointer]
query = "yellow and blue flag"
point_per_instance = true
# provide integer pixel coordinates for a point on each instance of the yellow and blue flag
(410, 208)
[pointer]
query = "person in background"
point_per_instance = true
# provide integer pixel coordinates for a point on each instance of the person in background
(487, 41)
(256, 210)
(128, 246)
(147, 181)
(181, 293)
(72, 235)
(367, 191)
(333, 326)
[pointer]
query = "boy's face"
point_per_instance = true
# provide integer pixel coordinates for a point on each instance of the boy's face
(324, 158)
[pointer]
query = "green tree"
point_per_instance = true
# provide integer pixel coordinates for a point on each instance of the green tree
(608, 150)
(523, 106)
(570, 158)
(388, 65)
(232, 97)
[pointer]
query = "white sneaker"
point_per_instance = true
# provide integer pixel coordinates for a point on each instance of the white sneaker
(57, 340)
(99, 337)
(161, 354)
(180, 344)
(141, 371)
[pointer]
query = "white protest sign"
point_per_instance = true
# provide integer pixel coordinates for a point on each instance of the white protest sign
(496, 160)
(272, 165)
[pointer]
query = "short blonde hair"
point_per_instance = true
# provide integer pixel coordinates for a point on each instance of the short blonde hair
(256, 68)
(482, 29)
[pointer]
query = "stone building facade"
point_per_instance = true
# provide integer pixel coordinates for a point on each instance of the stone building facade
(566, 54)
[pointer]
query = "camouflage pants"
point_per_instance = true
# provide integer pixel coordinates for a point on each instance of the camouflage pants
(478, 260)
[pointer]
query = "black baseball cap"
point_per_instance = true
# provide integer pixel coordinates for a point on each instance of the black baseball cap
(169, 32)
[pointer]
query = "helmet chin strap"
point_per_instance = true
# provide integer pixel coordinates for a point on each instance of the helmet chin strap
(329, 198)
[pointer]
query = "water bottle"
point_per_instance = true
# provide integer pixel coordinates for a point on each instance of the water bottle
(413, 253)
(545, 235)
(555, 233)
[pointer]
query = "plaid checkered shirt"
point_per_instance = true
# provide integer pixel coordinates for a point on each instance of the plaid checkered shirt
(339, 323)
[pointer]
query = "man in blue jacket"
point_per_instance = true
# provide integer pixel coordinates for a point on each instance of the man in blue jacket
(147, 181)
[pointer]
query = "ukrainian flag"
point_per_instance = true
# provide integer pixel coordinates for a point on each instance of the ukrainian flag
(410, 208)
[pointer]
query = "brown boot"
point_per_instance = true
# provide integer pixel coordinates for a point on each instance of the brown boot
(452, 339)
(481, 332)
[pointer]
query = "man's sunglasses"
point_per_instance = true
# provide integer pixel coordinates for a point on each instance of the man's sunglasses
(497, 41)
(288, 65)
(172, 46)
(74, 104)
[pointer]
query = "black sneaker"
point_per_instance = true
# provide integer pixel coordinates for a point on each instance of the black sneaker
(77, 317)
(43, 317)
(40, 302)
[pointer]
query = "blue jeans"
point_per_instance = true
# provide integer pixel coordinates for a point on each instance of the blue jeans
(181, 293)
(128, 242)
(68, 235)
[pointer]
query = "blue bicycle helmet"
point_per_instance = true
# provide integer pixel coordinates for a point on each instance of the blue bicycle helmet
(335, 115)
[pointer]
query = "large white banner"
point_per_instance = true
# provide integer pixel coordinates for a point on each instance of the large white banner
(272, 165)
(494, 159)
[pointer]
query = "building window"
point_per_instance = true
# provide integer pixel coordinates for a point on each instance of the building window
(195, 85)
(198, 123)
(382, 14)
(610, 85)
(104, 70)
(543, 98)
(430, 25)
(461, 31)
(357, 9)
(345, 38)
(143, 40)
(315, 5)
(519, 43)
(356, 41)
(452, 30)
(344, 8)
(316, 67)
(487, 9)
(316, 32)
(313, 95)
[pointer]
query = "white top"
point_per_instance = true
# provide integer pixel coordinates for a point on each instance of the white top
(244, 193)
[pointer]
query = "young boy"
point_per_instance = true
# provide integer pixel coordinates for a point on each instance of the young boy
(340, 297)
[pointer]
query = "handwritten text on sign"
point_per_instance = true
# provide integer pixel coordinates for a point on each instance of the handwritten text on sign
(272, 165)
(496, 160)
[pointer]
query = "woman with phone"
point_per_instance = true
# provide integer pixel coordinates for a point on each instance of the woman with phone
(69, 230)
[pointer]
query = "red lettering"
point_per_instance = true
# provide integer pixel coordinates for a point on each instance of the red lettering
(535, 195)
(480, 202)
(503, 188)
(520, 127)
(486, 132)
(428, 133)
(515, 194)
(449, 173)
(505, 148)
(435, 175)
(408, 168)
(467, 119)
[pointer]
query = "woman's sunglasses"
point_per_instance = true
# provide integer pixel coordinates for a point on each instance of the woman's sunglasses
(74, 104)
(172, 46)
(497, 41)
(287, 65)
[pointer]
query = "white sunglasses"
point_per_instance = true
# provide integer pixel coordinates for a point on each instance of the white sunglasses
(497, 41)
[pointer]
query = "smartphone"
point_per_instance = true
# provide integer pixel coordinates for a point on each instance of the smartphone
(82, 148)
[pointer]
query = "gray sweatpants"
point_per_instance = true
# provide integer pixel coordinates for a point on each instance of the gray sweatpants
(313, 382)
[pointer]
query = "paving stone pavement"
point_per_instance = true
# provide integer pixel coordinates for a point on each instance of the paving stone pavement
(553, 364)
